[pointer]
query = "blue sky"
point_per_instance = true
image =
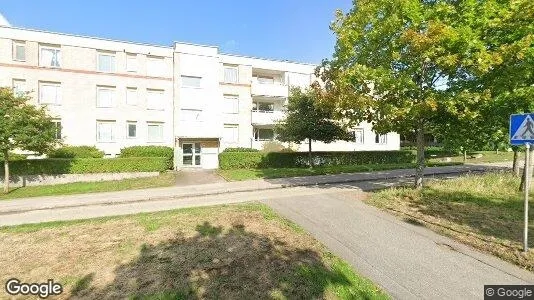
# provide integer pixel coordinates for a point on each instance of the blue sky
(290, 29)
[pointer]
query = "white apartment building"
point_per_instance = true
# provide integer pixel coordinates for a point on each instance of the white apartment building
(114, 94)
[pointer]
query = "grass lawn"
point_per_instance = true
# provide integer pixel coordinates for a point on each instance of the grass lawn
(164, 179)
(247, 174)
(223, 252)
(487, 157)
(484, 211)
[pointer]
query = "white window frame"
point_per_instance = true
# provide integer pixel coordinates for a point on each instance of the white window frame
(198, 117)
(191, 86)
(161, 96)
(362, 131)
(256, 133)
(113, 131)
(128, 123)
(382, 139)
(17, 44)
(129, 92)
(19, 86)
(57, 85)
(58, 56)
(234, 106)
(57, 123)
(113, 65)
(113, 96)
(236, 136)
(233, 68)
(133, 68)
(148, 137)
(157, 70)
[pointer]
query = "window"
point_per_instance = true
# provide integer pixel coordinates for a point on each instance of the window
(359, 136)
(155, 66)
(50, 57)
(131, 130)
(381, 138)
(192, 115)
(154, 99)
(231, 104)
(57, 125)
(263, 134)
(106, 62)
(105, 131)
(155, 132)
(131, 96)
(191, 81)
(19, 51)
(263, 106)
(105, 96)
(19, 87)
(231, 74)
(265, 79)
(131, 62)
(231, 133)
(49, 93)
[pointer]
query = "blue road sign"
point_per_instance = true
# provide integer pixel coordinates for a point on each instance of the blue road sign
(522, 129)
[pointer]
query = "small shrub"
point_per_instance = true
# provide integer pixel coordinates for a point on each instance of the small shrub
(76, 152)
(240, 149)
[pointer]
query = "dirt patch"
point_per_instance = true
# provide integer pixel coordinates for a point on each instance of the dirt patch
(225, 252)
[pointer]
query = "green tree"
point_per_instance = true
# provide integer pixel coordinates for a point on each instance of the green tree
(307, 120)
(397, 61)
(23, 126)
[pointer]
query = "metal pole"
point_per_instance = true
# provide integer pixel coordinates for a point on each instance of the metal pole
(527, 188)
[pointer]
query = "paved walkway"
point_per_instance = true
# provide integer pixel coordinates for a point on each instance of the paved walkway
(132, 196)
(197, 176)
(408, 261)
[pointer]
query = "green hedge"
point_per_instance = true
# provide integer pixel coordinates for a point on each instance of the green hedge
(147, 151)
(88, 165)
(240, 149)
(76, 152)
(13, 156)
(258, 160)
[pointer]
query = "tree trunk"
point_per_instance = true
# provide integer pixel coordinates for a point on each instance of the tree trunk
(527, 165)
(515, 164)
(420, 141)
(310, 158)
(6, 171)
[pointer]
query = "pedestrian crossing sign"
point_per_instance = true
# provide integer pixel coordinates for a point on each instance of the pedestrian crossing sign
(522, 129)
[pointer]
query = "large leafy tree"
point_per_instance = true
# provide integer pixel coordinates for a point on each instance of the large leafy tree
(397, 62)
(23, 126)
(307, 120)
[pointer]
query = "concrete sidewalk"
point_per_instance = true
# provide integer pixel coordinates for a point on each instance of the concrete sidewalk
(132, 196)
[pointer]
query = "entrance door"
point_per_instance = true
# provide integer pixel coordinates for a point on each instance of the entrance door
(191, 154)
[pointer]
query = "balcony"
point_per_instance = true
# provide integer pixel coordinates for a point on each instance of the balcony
(260, 117)
(276, 89)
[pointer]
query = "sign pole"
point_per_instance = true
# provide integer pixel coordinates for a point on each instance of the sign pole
(527, 188)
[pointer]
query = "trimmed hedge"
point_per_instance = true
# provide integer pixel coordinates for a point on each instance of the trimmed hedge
(76, 152)
(147, 151)
(240, 149)
(258, 160)
(51, 166)
(13, 156)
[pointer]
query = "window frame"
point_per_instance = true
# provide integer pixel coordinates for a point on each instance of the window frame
(233, 67)
(198, 111)
(190, 86)
(14, 86)
(16, 44)
(161, 99)
(113, 99)
(233, 126)
(231, 97)
(381, 139)
(160, 125)
(113, 55)
(113, 131)
(58, 94)
(128, 66)
(136, 91)
(59, 128)
(362, 136)
(50, 47)
(256, 133)
(160, 60)
(128, 123)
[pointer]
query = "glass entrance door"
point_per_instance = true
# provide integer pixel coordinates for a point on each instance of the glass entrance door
(191, 154)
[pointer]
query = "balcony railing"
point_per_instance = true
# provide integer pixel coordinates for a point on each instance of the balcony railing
(276, 89)
(262, 117)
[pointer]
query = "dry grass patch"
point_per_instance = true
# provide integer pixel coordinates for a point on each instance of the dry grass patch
(223, 252)
(484, 211)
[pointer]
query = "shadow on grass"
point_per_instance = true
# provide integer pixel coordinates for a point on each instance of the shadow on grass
(234, 264)
(495, 215)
